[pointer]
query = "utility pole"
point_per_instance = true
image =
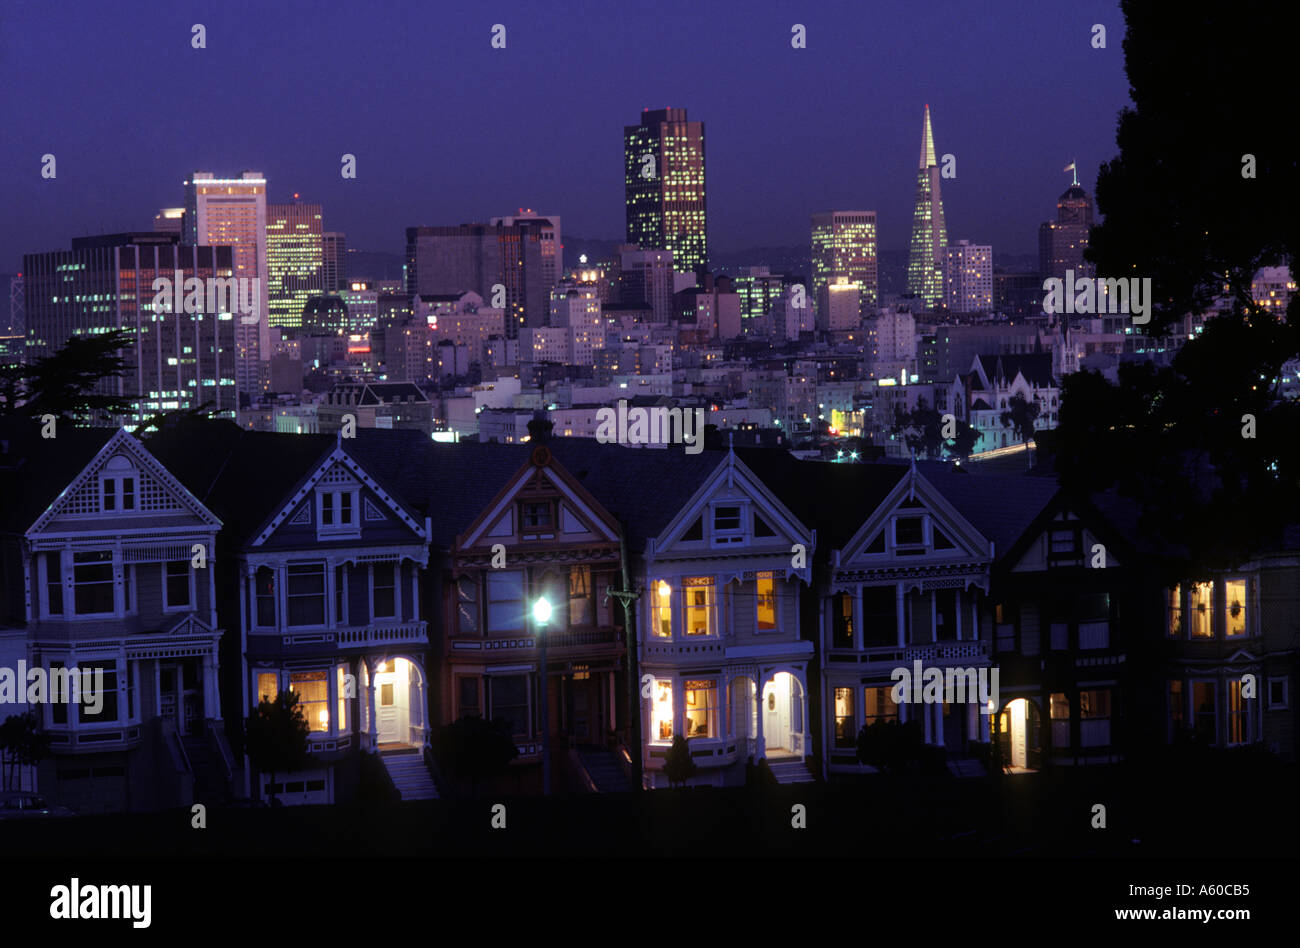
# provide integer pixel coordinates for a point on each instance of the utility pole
(628, 597)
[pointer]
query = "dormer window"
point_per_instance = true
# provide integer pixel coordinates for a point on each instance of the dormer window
(728, 524)
(337, 511)
(117, 486)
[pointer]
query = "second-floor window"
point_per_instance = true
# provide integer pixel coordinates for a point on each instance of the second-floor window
(662, 622)
(264, 592)
(505, 600)
(765, 587)
(384, 605)
(304, 592)
(92, 580)
(700, 601)
(176, 584)
(467, 605)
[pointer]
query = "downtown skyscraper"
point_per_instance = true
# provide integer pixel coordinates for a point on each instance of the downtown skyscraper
(663, 161)
(844, 254)
(1062, 242)
(927, 258)
(295, 260)
(177, 360)
(231, 212)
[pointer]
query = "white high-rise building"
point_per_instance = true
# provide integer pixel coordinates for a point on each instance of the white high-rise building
(231, 212)
(969, 277)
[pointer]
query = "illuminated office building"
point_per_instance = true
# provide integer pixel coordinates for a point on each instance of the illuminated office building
(970, 277)
(231, 212)
(927, 257)
(663, 161)
(295, 260)
(177, 360)
(844, 254)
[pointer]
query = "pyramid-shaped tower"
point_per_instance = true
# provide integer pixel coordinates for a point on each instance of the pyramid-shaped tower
(925, 262)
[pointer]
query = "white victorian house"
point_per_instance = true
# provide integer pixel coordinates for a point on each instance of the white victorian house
(722, 661)
(116, 577)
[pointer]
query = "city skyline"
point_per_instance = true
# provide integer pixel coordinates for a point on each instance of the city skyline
(768, 171)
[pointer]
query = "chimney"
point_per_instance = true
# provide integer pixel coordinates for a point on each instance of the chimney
(539, 429)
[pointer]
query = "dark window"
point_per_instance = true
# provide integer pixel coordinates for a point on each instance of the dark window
(92, 578)
(843, 634)
(305, 594)
(945, 613)
(128, 493)
(509, 697)
(537, 515)
(468, 696)
(880, 615)
(90, 693)
(264, 583)
(110, 494)
(581, 612)
(907, 531)
(53, 585)
(385, 590)
(177, 574)
(467, 605)
(726, 519)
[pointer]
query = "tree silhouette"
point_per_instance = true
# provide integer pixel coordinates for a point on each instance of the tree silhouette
(63, 383)
(23, 744)
(276, 736)
(679, 767)
(1198, 201)
(475, 748)
(890, 746)
(1020, 417)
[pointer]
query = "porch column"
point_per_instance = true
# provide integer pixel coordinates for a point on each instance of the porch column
(759, 748)
(956, 609)
(370, 705)
(938, 724)
(927, 713)
(900, 602)
(934, 616)
(973, 723)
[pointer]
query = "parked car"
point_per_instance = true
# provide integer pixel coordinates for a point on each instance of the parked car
(24, 804)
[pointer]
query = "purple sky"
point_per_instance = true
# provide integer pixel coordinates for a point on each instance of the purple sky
(447, 129)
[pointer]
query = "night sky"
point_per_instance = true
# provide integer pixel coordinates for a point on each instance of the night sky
(447, 129)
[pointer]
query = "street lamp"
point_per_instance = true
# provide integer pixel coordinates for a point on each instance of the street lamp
(541, 616)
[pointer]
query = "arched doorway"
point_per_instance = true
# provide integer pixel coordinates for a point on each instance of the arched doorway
(399, 703)
(1019, 732)
(782, 708)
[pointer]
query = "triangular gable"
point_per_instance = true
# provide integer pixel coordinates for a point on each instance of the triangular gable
(1029, 552)
(579, 516)
(732, 478)
(157, 492)
(337, 467)
(915, 495)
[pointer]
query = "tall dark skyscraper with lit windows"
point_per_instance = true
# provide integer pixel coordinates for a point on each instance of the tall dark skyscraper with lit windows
(925, 262)
(663, 159)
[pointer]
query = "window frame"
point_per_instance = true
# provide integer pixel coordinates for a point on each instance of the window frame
(168, 605)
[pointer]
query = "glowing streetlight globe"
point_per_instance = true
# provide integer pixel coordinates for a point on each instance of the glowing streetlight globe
(542, 611)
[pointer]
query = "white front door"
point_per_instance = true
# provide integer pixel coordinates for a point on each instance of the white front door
(390, 702)
(1018, 757)
(774, 728)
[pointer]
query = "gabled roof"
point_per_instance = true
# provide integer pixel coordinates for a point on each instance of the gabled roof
(34, 471)
(1036, 367)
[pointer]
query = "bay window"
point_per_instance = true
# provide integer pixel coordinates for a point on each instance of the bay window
(701, 707)
(312, 689)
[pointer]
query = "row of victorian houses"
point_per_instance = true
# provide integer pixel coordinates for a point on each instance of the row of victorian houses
(389, 582)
